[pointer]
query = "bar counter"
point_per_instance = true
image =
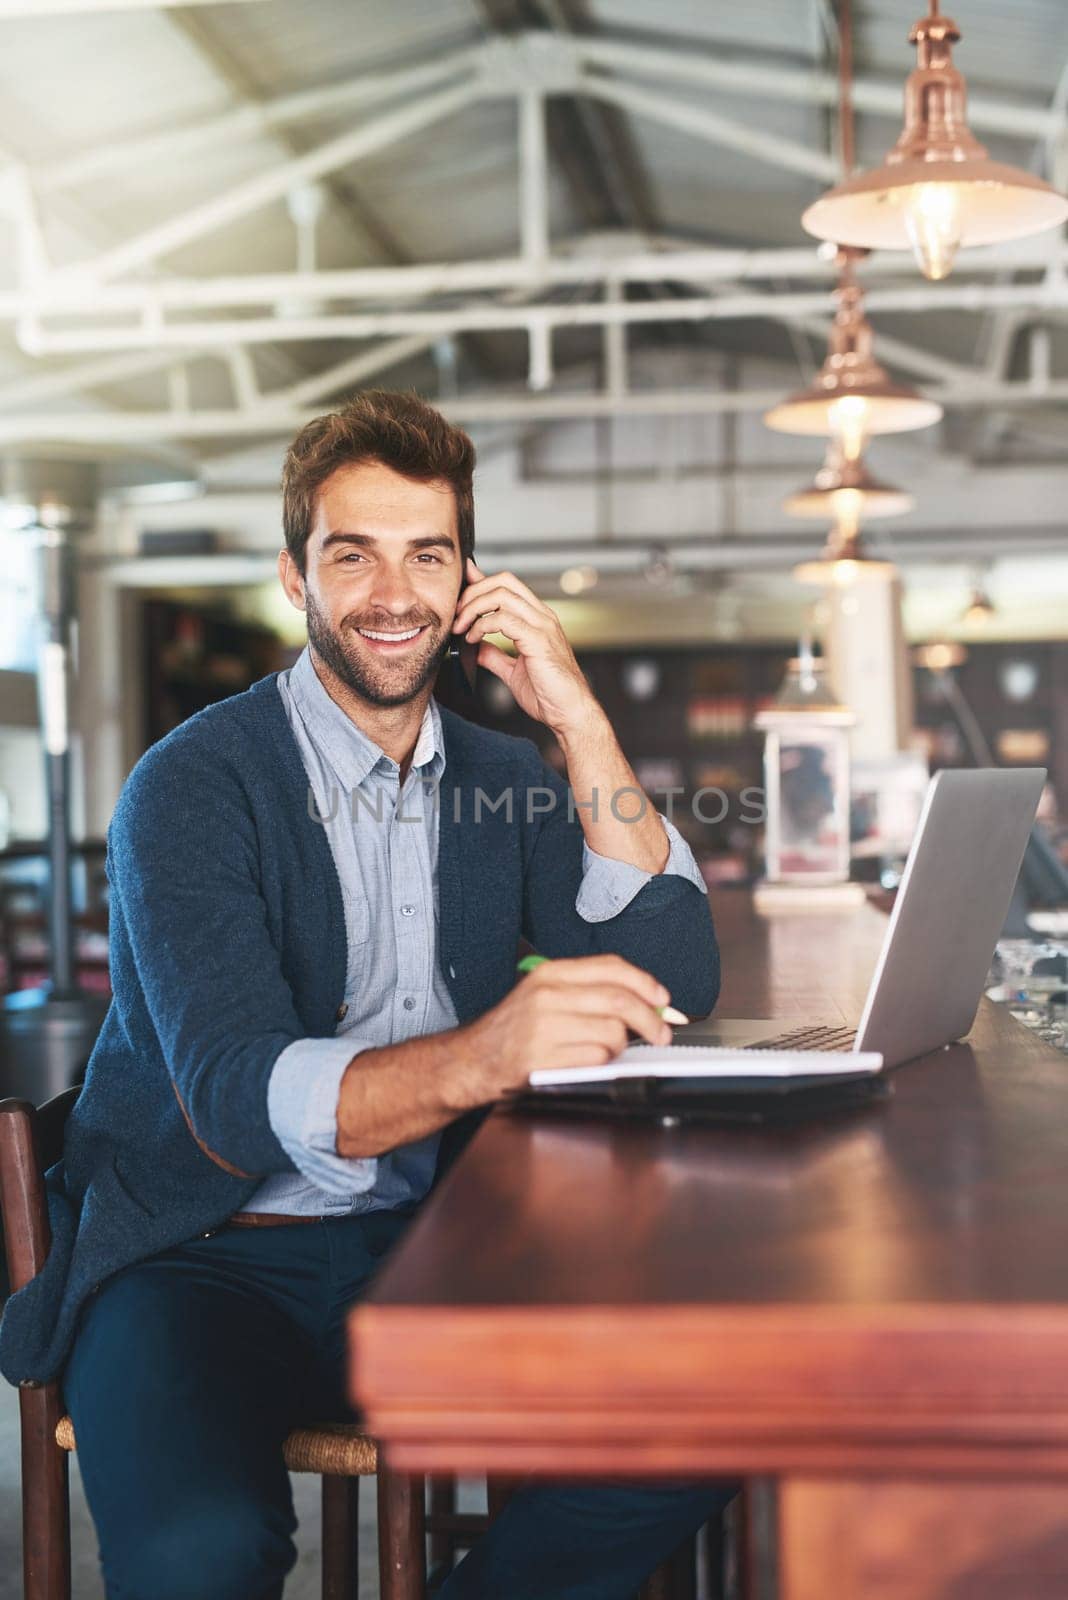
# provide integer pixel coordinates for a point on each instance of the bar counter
(871, 1309)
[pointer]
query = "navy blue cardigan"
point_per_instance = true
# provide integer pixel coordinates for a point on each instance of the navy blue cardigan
(228, 942)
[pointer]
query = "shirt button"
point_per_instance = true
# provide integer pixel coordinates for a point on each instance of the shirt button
(342, 1012)
(407, 911)
(409, 1003)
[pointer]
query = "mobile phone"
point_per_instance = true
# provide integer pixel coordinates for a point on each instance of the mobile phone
(466, 654)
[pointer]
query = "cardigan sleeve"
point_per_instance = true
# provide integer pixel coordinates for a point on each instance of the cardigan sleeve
(183, 864)
(609, 886)
(302, 1101)
(666, 928)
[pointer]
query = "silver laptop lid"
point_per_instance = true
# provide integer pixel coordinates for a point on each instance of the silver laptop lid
(949, 910)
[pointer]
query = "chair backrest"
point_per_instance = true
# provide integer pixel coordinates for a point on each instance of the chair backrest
(31, 1141)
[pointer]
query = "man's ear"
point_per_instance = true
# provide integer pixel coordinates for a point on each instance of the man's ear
(292, 582)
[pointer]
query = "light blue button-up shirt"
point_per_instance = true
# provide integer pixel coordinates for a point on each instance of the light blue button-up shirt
(384, 840)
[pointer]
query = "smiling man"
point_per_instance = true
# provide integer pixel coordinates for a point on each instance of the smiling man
(318, 888)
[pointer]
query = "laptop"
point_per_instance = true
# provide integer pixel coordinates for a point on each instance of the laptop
(946, 919)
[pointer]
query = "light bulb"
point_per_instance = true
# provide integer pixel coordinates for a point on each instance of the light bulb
(576, 580)
(848, 506)
(847, 419)
(933, 223)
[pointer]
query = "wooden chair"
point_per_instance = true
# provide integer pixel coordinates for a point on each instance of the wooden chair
(30, 1142)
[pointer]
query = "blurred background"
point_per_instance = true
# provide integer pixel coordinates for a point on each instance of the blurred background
(786, 497)
(576, 226)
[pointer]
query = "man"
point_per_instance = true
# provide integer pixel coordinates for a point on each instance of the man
(317, 892)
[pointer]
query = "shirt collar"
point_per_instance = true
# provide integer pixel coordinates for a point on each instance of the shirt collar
(351, 753)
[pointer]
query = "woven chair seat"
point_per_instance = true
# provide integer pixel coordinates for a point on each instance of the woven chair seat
(341, 1449)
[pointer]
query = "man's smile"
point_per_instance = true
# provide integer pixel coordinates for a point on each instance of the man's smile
(392, 641)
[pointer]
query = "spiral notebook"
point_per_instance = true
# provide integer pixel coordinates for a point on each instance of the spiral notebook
(712, 1063)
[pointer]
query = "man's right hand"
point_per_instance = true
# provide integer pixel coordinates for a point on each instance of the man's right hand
(568, 1013)
(574, 1012)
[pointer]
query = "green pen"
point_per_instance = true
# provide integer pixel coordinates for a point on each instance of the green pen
(668, 1013)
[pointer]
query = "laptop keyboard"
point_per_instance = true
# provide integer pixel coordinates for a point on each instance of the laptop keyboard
(812, 1038)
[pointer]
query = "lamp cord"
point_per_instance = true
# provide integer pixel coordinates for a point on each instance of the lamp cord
(846, 134)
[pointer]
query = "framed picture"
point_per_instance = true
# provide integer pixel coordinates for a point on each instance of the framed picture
(806, 775)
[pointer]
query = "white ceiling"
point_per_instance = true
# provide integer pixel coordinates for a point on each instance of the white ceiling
(75, 86)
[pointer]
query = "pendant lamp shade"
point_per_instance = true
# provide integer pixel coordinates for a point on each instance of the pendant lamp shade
(938, 189)
(852, 397)
(847, 492)
(843, 559)
(980, 608)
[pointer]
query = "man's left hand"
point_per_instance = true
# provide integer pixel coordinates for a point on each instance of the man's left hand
(544, 677)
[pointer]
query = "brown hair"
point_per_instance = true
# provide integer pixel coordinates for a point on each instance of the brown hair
(399, 430)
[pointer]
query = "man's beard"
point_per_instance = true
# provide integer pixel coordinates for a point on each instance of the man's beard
(391, 684)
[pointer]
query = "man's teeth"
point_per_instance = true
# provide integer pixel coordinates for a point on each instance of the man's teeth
(369, 633)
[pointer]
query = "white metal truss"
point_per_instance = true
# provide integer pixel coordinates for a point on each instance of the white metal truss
(45, 8)
(1048, 299)
(273, 417)
(122, 309)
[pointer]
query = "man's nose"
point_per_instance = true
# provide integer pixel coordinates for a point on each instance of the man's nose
(392, 590)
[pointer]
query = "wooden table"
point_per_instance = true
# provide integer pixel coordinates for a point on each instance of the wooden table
(873, 1310)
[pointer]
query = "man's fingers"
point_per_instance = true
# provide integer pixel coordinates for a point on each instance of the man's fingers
(613, 1000)
(580, 1029)
(582, 1055)
(477, 587)
(513, 624)
(491, 601)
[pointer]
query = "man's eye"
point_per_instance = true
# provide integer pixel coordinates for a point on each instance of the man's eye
(428, 555)
(353, 555)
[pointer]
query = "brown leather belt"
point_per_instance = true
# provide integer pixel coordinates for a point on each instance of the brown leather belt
(267, 1219)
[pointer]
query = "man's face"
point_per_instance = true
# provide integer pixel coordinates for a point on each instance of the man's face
(383, 559)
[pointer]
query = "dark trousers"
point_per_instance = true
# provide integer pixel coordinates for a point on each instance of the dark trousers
(189, 1369)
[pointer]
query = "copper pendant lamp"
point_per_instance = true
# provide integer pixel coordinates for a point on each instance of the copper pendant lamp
(851, 396)
(844, 558)
(938, 189)
(847, 489)
(979, 610)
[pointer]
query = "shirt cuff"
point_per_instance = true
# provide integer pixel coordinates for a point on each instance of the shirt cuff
(302, 1096)
(609, 886)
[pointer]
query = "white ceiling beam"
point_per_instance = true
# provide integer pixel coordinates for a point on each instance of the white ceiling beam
(736, 75)
(771, 550)
(540, 359)
(900, 352)
(614, 349)
(750, 552)
(37, 388)
(68, 8)
(714, 128)
(1047, 299)
(71, 294)
(746, 77)
(247, 393)
(351, 372)
(31, 253)
(269, 419)
(247, 121)
(272, 185)
(533, 182)
(178, 390)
